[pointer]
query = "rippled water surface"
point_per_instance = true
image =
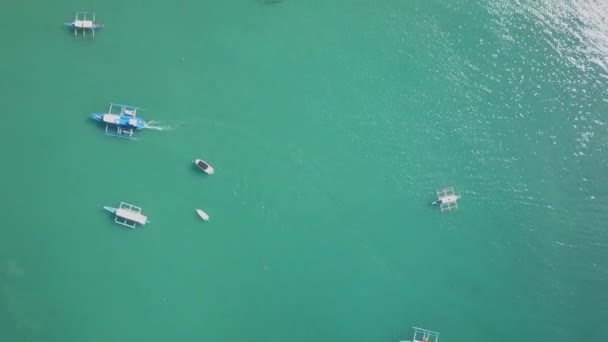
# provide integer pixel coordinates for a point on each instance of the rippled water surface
(330, 125)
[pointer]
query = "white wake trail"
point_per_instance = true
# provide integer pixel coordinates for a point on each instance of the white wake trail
(159, 126)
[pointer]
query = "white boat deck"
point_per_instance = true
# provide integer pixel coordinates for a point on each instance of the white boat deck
(449, 199)
(131, 216)
(111, 118)
(83, 24)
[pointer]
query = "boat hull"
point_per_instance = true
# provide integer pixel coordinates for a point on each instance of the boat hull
(119, 120)
(71, 24)
(203, 165)
(203, 215)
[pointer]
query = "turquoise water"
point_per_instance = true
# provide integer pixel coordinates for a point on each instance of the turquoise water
(330, 126)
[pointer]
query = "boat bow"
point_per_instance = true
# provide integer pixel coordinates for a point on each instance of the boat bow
(111, 209)
(97, 117)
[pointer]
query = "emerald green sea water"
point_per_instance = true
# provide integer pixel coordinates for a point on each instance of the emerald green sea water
(330, 125)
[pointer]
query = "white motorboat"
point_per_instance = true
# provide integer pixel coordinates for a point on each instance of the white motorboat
(203, 215)
(203, 165)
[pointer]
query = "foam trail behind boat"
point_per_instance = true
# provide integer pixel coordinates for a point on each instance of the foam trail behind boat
(159, 126)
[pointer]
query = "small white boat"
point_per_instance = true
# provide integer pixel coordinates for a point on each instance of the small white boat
(203, 165)
(202, 215)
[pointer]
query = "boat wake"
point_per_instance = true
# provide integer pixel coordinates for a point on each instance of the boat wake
(159, 126)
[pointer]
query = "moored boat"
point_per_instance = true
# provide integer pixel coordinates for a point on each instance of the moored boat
(128, 215)
(203, 215)
(203, 165)
(84, 24)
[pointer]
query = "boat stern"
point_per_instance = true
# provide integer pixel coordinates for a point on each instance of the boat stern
(140, 123)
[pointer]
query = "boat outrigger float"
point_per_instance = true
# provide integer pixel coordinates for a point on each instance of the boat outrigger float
(83, 22)
(123, 117)
(128, 215)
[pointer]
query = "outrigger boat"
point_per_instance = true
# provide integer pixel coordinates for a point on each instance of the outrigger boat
(424, 335)
(82, 24)
(447, 199)
(128, 215)
(203, 165)
(125, 120)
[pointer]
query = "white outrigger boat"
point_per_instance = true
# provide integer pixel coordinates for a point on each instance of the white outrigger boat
(128, 215)
(447, 199)
(203, 215)
(84, 22)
